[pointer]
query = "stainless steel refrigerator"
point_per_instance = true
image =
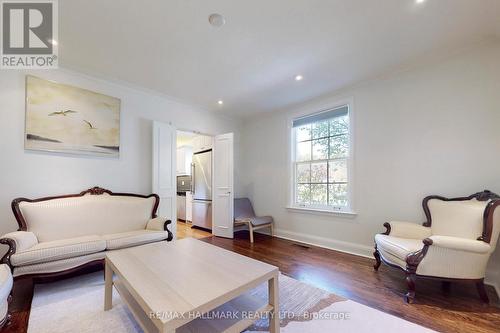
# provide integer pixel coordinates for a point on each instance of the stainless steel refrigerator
(202, 189)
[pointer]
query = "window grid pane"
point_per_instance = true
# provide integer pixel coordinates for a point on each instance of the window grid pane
(321, 167)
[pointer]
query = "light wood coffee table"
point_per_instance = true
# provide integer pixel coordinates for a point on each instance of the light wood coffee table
(185, 285)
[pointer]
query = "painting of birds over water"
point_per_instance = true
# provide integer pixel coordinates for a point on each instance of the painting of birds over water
(68, 119)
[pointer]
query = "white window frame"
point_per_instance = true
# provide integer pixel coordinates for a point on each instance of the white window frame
(291, 205)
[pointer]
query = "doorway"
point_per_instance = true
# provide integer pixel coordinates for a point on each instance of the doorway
(194, 174)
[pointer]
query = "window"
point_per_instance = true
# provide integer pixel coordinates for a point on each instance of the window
(321, 159)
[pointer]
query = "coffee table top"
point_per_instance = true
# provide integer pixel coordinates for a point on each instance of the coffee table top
(185, 276)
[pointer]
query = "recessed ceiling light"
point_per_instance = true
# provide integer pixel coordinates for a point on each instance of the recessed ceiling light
(299, 78)
(420, 1)
(220, 102)
(216, 20)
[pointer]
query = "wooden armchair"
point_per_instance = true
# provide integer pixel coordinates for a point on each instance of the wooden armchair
(244, 215)
(454, 244)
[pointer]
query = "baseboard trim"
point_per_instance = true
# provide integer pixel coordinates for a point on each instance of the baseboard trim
(331, 244)
(494, 284)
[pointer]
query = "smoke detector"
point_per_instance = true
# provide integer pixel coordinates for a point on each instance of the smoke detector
(216, 20)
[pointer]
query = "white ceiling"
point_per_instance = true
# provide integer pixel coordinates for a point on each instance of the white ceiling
(250, 63)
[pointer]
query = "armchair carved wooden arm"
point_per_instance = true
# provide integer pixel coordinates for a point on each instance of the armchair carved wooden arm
(454, 244)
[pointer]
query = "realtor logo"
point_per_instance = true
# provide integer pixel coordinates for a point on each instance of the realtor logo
(29, 34)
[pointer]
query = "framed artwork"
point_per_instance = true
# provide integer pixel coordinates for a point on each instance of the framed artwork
(67, 119)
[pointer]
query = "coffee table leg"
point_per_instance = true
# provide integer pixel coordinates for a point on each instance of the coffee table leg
(274, 300)
(108, 288)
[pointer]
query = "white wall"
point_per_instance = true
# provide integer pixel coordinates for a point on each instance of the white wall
(35, 174)
(430, 130)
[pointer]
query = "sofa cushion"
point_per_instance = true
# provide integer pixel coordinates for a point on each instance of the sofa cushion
(58, 265)
(133, 238)
(261, 220)
(60, 249)
(398, 247)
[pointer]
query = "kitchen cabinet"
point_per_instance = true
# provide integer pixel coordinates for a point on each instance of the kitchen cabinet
(202, 142)
(189, 206)
(184, 159)
(181, 207)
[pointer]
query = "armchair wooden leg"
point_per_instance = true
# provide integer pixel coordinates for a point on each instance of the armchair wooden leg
(482, 292)
(250, 230)
(410, 281)
(377, 259)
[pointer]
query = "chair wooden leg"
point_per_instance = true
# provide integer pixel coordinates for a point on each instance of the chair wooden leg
(410, 281)
(250, 230)
(482, 292)
(377, 259)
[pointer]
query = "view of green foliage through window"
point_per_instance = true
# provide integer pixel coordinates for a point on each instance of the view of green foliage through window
(321, 163)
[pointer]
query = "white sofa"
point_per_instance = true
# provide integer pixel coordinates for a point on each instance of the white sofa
(62, 234)
(454, 244)
(6, 283)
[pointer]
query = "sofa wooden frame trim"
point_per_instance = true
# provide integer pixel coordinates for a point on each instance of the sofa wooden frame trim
(414, 259)
(88, 267)
(92, 191)
(47, 277)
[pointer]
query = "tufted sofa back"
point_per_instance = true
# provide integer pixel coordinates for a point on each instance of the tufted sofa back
(89, 214)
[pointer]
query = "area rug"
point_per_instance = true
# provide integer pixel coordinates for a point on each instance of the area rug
(76, 305)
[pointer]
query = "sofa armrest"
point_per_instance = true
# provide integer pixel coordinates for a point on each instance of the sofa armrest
(17, 241)
(460, 244)
(6, 282)
(407, 230)
(160, 224)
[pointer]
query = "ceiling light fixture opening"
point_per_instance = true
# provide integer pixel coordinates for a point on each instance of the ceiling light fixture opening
(420, 1)
(299, 78)
(220, 102)
(216, 20)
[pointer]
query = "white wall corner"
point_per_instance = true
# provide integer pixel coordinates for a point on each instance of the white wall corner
(328, 243)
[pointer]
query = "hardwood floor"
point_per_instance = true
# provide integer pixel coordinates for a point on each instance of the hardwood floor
(186, 230)
(457, 309)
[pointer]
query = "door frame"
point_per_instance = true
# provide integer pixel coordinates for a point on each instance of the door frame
(155, 181)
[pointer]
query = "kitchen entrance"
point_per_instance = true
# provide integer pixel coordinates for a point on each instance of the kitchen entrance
(194, 184)
(199, 168)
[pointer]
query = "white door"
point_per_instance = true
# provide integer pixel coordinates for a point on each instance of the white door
(164, 171)
(223, 195)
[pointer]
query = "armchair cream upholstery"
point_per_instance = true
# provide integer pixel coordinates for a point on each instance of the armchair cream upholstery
(6, 284)
(59, 234)
(455, 242)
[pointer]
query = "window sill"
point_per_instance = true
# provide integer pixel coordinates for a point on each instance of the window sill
(348, 214)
